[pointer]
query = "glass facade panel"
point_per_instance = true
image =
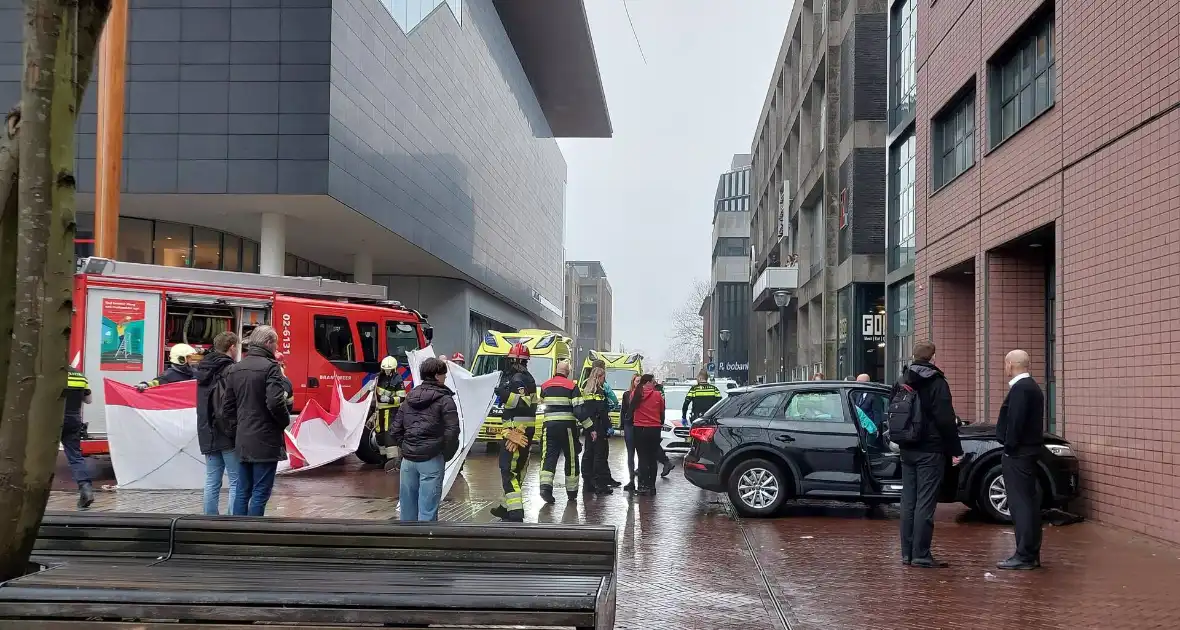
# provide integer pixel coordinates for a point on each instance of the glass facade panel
(172, 244)
(250, 257)
(231, 252)
(410, 13)
(902, 203)
(902, 44)
(900, 322)
(206, 248)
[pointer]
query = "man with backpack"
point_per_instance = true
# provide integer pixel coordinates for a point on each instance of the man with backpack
(921, 421)
(213, 432)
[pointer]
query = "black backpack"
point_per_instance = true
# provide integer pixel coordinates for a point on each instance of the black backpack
(905, 419)
(218, 417)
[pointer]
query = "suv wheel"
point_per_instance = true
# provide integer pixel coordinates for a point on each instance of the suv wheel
(757, 487)
(992, 496)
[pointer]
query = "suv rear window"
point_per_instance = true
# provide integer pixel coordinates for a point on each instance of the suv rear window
(730, 406)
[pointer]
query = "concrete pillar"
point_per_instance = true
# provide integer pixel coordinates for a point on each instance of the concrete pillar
(362, 268)
(272, 257)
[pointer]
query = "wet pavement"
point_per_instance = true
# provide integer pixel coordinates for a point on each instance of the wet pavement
(687, 561)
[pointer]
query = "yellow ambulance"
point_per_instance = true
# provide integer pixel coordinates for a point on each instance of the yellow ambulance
(620, 367)
(546, 348)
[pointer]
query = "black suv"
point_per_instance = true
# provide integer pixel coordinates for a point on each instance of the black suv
(766, 444)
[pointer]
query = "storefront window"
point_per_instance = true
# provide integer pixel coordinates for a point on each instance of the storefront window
(901, 326)
(135, 240)
(173, 243)
(250, 257)
(231, 252)
(206, 248)
(869, 345)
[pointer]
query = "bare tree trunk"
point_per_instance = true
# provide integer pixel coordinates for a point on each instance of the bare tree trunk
(60, 38)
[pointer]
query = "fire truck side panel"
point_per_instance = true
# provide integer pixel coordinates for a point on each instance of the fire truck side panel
(122, 341)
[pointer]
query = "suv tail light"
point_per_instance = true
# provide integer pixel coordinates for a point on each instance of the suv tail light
(702, 434)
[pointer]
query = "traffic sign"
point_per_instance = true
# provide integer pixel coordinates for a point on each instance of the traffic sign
(712, 367)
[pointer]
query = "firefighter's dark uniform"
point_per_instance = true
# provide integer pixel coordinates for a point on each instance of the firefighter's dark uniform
(389, 394)
(518, 391)
(72, 429)
(559, 434)
(595, 453)
(700, 398)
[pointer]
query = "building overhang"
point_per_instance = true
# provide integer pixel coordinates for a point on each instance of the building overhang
(552, 40)
(771, 281)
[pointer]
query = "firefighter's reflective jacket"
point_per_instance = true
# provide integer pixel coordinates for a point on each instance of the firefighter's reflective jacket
(390, 391)
(518, 391)
(562, 400)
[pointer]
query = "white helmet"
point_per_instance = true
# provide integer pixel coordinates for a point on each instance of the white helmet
(389, 364)
(180, 353)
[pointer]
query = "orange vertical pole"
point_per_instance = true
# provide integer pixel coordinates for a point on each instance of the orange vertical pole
(112, 72)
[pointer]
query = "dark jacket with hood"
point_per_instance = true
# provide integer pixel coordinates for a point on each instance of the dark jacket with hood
(941, 434)
(256, 405)
(211, 431)
(427, 424)
(173, 374)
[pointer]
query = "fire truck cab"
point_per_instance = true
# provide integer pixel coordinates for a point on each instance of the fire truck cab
(127, 317)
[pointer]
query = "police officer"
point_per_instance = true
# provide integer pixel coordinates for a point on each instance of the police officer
(72, 428)
(559, 431)
(389, 394)
(598, 424)
(701, 396)
(518, 392)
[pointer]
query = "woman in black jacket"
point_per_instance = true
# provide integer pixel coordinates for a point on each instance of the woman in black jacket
(426, 428)
(627, 419)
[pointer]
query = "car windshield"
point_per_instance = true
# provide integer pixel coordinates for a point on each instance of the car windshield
(674, 397)
(540, 367)
(619, 379)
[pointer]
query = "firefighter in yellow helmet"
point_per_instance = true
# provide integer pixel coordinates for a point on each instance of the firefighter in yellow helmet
(389, 394)
(182, 358)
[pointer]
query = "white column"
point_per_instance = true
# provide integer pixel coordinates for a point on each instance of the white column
(362, 268)
(272, 257)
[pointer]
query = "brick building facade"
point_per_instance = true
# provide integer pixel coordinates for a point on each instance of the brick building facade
(1048, 219)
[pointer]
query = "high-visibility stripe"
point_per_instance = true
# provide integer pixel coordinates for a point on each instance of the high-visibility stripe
(593, 397)
(578, 401)
(556, 400)
(586, 424)
(77, 383)
(558, 416)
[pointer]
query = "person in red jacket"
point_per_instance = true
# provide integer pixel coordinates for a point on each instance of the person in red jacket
(647, 413)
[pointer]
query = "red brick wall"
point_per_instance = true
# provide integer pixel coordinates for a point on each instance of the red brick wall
(1014, 319)
(952, 320)
(1103, 167)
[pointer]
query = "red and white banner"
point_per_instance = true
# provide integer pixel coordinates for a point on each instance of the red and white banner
(153, 436)
(319, 437)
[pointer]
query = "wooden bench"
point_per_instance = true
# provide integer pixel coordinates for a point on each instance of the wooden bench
(236, 571)
(103, 538)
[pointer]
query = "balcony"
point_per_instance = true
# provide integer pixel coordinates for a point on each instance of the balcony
(772, 280)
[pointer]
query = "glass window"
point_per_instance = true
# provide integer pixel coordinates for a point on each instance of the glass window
(289, 265)
(900, 320)
(206, 248)
(769, 406)
(902, 203)
(135, 240)
(301, 267)
(333, 338)
(902, 44)
(369, 341)
(954, 140)
(250, 256)
(815, 407)
(231, 253)
(732, 246)
(818, 238)
(401, 337)
(1023, 82)
(173, 244)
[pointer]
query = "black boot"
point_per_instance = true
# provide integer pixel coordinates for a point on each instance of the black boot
(515, 516)
(572, 495)
(630, 487)
(500, 512)
(614, 483)
(547, 494)
(604, 490)
(668, 466)
(85, 495)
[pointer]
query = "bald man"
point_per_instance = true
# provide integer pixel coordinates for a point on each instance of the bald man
(1021, 429)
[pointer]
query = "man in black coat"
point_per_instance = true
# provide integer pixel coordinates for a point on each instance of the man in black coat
(256, 404)
(212, 432)
(923, 463)
(1021, 430)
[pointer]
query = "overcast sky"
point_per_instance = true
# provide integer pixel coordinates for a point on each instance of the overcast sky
(642, 201)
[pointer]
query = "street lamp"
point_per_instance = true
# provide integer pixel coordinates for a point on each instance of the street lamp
(724, 335)
(781, 299)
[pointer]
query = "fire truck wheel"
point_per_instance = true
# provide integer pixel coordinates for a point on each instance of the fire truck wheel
(368, 451)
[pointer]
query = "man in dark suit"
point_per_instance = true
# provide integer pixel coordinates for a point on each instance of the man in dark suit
(1021, 430)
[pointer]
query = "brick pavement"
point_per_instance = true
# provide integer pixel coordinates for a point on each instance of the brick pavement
(686, 562)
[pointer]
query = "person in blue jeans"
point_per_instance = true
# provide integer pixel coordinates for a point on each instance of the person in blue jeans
(212, 431)
(256, 404)
(426, 428)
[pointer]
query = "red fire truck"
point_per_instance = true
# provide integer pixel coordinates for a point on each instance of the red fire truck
(127, 317)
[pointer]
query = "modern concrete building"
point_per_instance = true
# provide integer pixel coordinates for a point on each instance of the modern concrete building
(589, 308)
(404, 142)
(726, 310)
(1047, 187)
(818, 197)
